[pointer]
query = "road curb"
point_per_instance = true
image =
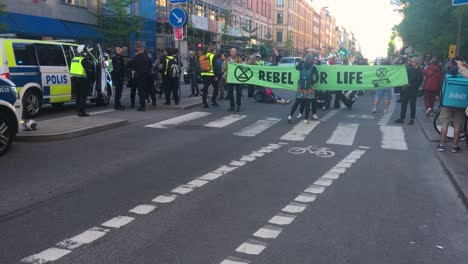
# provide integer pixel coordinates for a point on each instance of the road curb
(452, 175)
(73, 133)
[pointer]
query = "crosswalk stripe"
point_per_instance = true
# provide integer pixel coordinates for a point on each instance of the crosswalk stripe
(300, 131)
(257, 127)
(225, 121)
(344, 134)
(179, 120)
(393, 137)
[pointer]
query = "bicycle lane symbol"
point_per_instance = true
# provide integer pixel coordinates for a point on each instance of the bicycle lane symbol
(313, 150)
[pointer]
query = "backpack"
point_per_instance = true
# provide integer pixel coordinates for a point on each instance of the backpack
(174, 69)
(305, 77)
(205, 63)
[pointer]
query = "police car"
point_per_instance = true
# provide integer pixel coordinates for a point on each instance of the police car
(41, 71)
(10, 114)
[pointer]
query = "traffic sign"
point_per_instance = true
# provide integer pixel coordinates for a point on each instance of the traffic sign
(452, 51)
(177, 17)
(459, 2)
(178, 1)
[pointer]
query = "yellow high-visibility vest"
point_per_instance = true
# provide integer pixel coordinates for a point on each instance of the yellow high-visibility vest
(77, 69)
(211, 71)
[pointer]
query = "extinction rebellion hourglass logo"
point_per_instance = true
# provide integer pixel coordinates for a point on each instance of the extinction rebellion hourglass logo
(243, 74)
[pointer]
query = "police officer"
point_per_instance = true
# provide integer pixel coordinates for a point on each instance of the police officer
(170, 84)
(118, 76)
(82, 73)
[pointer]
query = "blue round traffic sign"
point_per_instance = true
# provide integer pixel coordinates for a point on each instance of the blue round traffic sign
(177, 17)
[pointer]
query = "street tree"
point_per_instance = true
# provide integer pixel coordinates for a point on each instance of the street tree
(117, 22)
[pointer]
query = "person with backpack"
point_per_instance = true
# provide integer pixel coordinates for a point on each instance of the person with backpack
(308, 76)
(171, 74)
(207, 67)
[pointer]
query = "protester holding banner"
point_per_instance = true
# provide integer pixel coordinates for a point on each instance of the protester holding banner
(308, 76)
(231, 86)
(410, 94)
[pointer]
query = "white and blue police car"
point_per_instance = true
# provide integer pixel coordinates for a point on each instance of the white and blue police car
(10, 114)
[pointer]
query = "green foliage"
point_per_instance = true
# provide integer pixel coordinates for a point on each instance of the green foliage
(290, 46)
(431, 26)
(391, 44)
(226, 29)
(117, 22)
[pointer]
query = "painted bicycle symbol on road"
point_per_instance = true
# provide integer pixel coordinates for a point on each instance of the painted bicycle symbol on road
(319, 151)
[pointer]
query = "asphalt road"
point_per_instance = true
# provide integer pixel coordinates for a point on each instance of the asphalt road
(376, 195)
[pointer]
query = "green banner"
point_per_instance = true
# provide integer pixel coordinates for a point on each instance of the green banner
(336, 77)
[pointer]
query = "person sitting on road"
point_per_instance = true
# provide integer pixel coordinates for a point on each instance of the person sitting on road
(266, 95)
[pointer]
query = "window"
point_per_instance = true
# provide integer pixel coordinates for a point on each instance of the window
(279, 36)
(24, 54)
(83, 3)
(280, 2)
(279, 19)
(50, 55)
(68, 53)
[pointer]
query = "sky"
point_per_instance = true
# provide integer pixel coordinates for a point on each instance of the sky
(370, 20)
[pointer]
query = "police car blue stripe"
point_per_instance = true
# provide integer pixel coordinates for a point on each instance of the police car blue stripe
(6, 94)
(22, 80)
(24, 69)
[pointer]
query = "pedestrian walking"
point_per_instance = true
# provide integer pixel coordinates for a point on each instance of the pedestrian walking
(207, 66)
(141, 72)
(234, 101)
(410, 94)
(118, 76)
(194, 71)
(219, 74)
(432, 84)
(170, 77)
(83, 75)
(308, 76)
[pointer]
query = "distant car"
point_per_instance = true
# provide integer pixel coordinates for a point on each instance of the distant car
(289, 61)
(10, 113)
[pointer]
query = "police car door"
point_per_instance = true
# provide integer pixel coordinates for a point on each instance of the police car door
(100, 84)
(55, 75)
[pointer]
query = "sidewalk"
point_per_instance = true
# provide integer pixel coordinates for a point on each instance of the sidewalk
(456, 164)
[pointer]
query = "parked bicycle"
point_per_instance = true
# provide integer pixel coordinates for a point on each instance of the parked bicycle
(438, 125)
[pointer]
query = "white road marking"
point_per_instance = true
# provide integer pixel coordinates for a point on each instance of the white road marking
(251, 247)
(393, 137)
(265, 150)
(331, 176)
(305, 198)
(329, 115)
(183, 189)
(248, 158)
(118, 222)
(225, 169)
(344, 134)
(323, 182)
(51, 254)
(178, 120)
(197, 183)
(274, 146)
(268, 232)
(101, 112)
(237, 163)
(225, 121)
(350, 160)
(386, 117)
(300, 131)
(165, 198)
(86, 237)
(345, 165)
(294, 208)
(338, 170)
(143, 209)
(257, 154)
(314, 189)
(282, 219)
(364, 147)
(257, 127)
(233, 260)
(211, 176)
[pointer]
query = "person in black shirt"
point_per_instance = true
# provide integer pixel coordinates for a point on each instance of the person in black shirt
(410, 94)
(118, 75)
(141, 71)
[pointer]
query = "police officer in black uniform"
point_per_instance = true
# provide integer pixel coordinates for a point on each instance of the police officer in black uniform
(118, 75)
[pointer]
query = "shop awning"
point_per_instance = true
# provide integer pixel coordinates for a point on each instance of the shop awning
(39, 26)
(82, 31)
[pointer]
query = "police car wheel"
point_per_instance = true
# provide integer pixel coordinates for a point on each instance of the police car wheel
(32, 103)
(6, 134)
